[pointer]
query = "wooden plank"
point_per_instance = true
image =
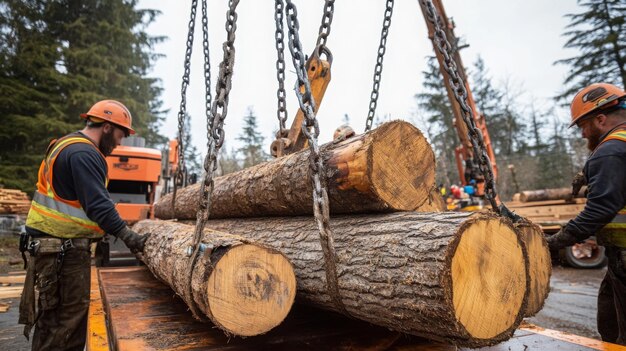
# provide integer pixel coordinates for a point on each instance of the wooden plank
(518, 204)
(9, 292)
(4, 307)
(12, 279)
(97, 338)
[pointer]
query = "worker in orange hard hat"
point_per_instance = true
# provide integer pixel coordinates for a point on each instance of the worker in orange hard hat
(599, 111)
(71, 208)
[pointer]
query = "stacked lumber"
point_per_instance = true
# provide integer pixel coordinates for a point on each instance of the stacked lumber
(548, 214)
(13, 201)
(457, 277)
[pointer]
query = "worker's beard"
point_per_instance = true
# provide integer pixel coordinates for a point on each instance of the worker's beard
(107, 142)
(593, 139)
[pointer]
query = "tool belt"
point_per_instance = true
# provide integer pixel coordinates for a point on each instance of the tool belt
(47, 244)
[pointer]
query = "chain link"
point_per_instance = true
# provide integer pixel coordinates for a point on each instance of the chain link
(460, 94)
(327, 20)
(279, 34)
(310, 128)
(181, 170)
(207, 68)
(218, 113)
(379, 65)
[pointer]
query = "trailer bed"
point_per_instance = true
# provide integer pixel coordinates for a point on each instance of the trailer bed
(132, 310)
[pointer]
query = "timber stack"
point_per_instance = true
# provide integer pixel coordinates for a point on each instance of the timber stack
(13, 201)
(457, 277)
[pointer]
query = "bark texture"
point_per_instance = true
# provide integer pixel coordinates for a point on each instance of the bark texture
(396, 270)
(540, 265)
(260, 280)
(390, 168)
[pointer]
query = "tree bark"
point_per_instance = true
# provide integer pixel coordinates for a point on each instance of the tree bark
(389, 168)
(243, 288)
(540, 265)
(450, 276)
(548, 194)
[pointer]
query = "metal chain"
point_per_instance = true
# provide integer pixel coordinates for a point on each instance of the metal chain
(181, 170)
(219, 110)
(461, 94)
(207, 69)
(379, 65)
(327, 20)
(279, 34)
(310, 128)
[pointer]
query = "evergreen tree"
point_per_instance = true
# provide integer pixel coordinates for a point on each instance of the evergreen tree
(57, 58)
(439, 114)
(252, 140)
(555, 163)
(192, 156)
(599, 35)
(487, 98)
(228, 161)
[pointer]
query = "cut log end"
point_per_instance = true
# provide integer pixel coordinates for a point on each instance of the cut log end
(540, 266)
(251, 290)
(489, 278)
(398, 178)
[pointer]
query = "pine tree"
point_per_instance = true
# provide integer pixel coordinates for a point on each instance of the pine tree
(252, 149)
(555, 162)
(57, 58)
(488, 99)
(435, 103)
(599, 34)
(192, 156)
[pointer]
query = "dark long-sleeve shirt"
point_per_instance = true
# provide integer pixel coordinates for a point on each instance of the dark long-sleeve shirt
(79, 173)
(606, 183)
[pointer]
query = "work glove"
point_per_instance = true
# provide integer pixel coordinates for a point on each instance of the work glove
(133, 241)
(561, 239)
(578, 182)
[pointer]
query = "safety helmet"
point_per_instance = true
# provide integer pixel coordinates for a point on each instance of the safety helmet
(597, 96)
(110, 111)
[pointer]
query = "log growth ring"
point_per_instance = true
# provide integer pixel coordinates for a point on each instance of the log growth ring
(401, 152)
(251, 290)
(489, 278)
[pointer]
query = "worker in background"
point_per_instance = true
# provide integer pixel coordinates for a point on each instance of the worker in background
(71, 208)
(599, 110)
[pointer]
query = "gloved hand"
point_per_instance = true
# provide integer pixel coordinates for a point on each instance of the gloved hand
(578, 182)
(133, 241)
(561, 239)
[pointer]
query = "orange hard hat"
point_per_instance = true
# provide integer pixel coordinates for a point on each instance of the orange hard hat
(597, 96)
(111, 111)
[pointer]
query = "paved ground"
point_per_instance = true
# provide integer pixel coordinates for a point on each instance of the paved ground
(570, 307)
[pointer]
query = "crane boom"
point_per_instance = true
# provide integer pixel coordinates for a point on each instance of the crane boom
(463, 153)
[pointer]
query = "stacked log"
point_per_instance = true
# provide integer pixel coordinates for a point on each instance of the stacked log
(540, 265)
(452, 276)
(245, 289)
(391, 168)
(549, 194)
(13, 201)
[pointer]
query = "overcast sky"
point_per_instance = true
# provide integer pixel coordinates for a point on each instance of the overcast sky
(518, 39)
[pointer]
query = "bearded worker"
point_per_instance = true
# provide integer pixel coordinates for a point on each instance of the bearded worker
(599, 111)
(71, 208)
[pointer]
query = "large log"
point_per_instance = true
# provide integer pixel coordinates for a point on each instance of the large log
(549, 194)
(540, 265)
(389, 168)
(243, 288)
(450, 276)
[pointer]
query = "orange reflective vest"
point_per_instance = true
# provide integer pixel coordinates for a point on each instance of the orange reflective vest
(52, 214)
(615, 232)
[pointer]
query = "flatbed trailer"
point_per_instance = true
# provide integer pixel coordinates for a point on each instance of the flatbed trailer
(131, 310)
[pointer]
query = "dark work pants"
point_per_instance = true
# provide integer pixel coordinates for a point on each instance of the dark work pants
(612, 299)
(63, 303)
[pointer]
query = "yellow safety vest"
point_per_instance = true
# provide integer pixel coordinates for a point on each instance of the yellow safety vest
(614, 233)
(52, 214)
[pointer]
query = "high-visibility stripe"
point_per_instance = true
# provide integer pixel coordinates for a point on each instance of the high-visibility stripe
(60, 206)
